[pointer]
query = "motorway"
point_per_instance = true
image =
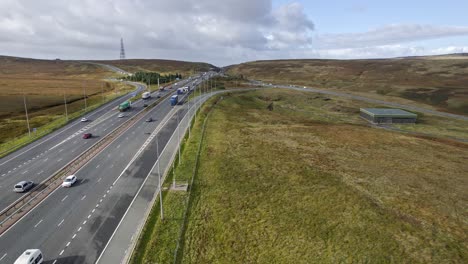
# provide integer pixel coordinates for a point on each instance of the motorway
(40, 160)
(73, 225)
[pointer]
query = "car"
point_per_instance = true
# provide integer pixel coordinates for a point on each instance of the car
(87, 135)
(30, 256)
(145, 105)
(120, 115)
(149, 119)
(158, 95)
(69, 181)
(84, 119)
(23, 186)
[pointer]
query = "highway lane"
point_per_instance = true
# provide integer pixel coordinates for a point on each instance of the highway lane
(61, 215)
(60, 150)
(43, 165)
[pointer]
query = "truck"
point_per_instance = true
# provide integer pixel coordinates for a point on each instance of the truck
(145, 95)
(174, 100)
(124, 106)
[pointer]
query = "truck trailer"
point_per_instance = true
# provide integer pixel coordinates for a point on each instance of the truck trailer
(174, 100)
(124, 106)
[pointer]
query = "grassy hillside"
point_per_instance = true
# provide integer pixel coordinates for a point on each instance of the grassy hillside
(312, 182)
(305, 184)
(440, 81)
(161, 66)
(44, 84)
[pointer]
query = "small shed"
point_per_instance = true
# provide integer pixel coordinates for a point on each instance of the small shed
(388, 116)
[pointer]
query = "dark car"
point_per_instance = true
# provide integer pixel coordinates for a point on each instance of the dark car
(145, 105)
(149, 119)
(87, 135)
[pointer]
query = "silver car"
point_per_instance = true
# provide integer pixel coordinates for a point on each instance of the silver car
(23, 186)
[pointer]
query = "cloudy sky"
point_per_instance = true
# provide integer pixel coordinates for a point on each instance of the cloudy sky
(224, 32)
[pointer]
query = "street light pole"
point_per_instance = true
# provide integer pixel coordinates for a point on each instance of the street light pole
(84, 93)
(65, 101)
(159, 174)
(26, 111)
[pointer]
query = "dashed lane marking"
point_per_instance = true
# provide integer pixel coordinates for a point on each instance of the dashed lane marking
(61, 252)
(24, 172)
(59, 160)
(85, 221)
(68, 244)
(82, 198)
(89, 216)
(99, 179)
(40, 172)
(98, 166)
(38, 223)
(3, 256)
(79, 229)
(61, 222)
(64, 198)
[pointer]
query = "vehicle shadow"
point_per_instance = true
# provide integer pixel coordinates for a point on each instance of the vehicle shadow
(80, 182)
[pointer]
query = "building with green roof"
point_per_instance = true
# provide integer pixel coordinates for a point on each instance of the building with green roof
(388, 116)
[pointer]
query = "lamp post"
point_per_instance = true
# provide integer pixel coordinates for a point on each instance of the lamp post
(26, 111)
(159, 175)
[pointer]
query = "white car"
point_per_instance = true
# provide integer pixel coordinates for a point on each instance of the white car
(84, 119)
(69, 181)
(120, 115)
(30, 256)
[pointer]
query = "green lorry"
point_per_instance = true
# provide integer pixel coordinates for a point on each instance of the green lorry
(124, 106)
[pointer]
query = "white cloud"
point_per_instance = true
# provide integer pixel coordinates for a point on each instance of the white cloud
(219, 32)
(390, 34)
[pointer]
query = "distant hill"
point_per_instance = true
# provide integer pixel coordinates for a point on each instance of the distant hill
(438, 81)
(161, 66)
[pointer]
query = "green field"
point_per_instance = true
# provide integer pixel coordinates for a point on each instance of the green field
(310, 182)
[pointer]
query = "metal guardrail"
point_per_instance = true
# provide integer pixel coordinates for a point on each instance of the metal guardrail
(20, 207)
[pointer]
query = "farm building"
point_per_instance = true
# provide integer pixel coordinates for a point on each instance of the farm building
(388, 116)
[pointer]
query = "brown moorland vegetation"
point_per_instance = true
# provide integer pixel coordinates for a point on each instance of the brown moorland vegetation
(160, 66)
(439, 82)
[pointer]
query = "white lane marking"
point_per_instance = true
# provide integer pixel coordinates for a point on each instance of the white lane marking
(93, 210)
(84, 223)
(38, 223)
(89, 216)
(98, 166)
(3, 256)
(59, 160)
(100, 201)
(74, 235)
(61, 252)
(82, 198)
(97, 205)
(34, 158)
(104, 196)
(40, 172)
(55, 261)
(19, 166)
(24, 172)
(79, 229)
(46, 159)
(3, 175)
(60, 150)
(64, 198)
(99, 179)
(61, 222)
(118, 146)
(14, 169)
(68, 244)
(9, 171)
(107, 191)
